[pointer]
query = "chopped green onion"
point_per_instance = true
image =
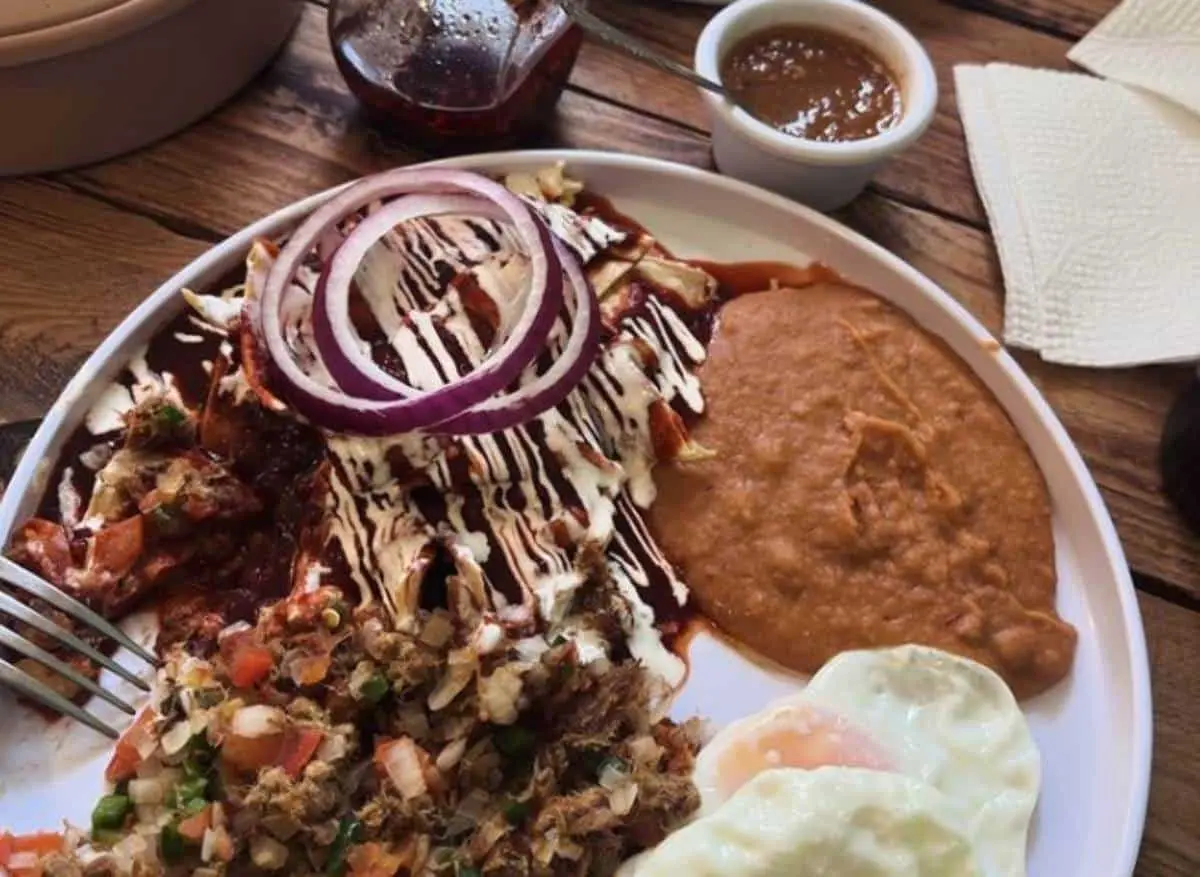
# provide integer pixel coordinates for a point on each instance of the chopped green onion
(558, 641)
(201, 755)
(172, 416)
(468, 871)
(168, 520)
(191, 790)
(171, 843)
(106, 837)
(620, 765)
(207, 697)
(515, 741)
(374, 689)
(516, 812)
(110, 812)
(349, 832)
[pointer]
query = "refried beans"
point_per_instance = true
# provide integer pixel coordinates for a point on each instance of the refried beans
(867, 490)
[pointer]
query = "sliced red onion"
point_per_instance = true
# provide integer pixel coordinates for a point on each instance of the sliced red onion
(352, 366)
(550, 389)
(367, 400)
(330, 406)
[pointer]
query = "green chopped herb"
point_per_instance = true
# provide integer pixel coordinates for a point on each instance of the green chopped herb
(106, 837)
(515, 741)
(612, 763)
(110, 812)
(171, 843)
(207, 697)
(171, 416)
(349, 832)
(559, 640)
(167, 520)
(193, 789)
(468, 871)
(374, 689)
(200, 757)
(516, 812)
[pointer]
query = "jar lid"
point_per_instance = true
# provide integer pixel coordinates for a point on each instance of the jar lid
(31, 30)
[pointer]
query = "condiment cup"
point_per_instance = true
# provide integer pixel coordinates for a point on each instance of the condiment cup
(824, 175)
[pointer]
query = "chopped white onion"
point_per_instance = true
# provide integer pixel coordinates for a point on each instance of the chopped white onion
(177, 737)
(451, 754)
(402, 759)
(152, 791)
(259, 720)
(268, 853)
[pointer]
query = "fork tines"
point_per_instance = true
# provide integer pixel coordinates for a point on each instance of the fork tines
(37, 690)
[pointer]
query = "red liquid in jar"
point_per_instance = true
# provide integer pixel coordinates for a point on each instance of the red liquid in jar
(457, 89)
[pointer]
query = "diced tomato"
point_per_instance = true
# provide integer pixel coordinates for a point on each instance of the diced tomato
(127, 755)
(28, 846)
(249, 754)
(376, 860)
(299, 747)
(117, 547)
(194, 826)
(42, 546)
(222, 844)
(249, 661)
(309, 669)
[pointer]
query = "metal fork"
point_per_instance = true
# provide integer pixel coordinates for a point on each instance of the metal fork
(26, 685)
(600, 29)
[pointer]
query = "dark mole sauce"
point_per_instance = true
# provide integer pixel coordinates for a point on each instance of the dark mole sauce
(267, 576)
(813, 84)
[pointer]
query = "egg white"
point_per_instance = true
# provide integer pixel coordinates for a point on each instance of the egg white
(943, 720)
(848, 822)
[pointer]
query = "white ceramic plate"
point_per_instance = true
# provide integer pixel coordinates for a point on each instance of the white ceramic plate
(1094, 730)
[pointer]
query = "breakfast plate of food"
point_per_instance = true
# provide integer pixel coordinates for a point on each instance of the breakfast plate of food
(567, 513)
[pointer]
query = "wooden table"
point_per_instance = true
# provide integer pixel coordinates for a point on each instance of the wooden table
(80, 249)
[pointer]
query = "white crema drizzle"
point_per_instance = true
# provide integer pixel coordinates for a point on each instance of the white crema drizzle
(512, 508)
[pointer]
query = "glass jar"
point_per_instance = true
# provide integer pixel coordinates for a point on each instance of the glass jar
(454, 75)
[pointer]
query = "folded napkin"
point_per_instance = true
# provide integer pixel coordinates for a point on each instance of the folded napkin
(1153, 44)
(1093, 193)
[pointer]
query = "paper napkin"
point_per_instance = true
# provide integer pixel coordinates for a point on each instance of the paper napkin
(1093, 193)
(1153, 44)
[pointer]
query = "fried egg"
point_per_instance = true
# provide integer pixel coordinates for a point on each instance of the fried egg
(937, 718)
(842, 821)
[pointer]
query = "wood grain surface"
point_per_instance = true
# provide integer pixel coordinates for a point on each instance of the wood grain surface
(81, 248)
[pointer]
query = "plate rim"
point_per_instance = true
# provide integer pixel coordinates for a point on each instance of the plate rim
(31, 468)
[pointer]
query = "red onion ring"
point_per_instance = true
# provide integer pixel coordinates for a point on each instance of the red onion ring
(550, 389)
(333, 407)
(354, 370)
(368, 400)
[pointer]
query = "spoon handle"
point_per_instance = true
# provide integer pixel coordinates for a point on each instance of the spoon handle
(618, 39)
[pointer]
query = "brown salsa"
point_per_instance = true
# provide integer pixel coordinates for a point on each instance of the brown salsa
(812, 84)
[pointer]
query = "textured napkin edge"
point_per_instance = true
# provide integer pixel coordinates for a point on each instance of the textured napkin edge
(987, 153)
(1141, 66)
(1134, 45)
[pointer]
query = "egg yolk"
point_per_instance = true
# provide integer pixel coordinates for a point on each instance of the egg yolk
(797, 737)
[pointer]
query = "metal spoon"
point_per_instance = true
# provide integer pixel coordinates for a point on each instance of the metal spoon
(618, 39)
